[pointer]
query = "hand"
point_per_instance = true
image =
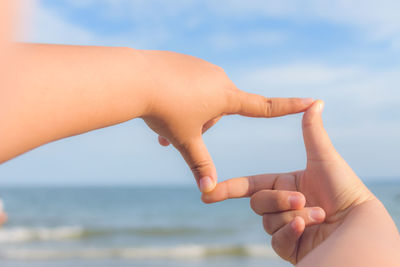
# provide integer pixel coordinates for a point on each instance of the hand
(189, 95)
(301, 209)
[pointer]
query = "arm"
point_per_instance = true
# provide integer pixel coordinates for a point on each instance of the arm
(367, 237)
(67, 90)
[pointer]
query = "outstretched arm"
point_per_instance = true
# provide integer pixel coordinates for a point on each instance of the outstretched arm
(62, 90)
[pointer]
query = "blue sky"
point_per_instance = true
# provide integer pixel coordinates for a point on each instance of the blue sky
(344, 52)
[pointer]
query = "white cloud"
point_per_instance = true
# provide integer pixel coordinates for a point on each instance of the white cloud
(379, 20)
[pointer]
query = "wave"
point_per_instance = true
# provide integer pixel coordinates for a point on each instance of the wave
(24, 234)
(180, 252)
(30, 234)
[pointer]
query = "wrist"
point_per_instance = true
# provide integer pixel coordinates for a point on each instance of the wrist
(140, 80)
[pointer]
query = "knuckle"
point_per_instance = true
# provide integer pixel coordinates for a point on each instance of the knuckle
(255, 202)
(198, 167)
(268, 106)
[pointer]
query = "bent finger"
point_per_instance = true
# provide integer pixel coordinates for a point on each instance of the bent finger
(268, 201)
(245, 186)
(163, 141)
(272, 222)
(200, 162)
(284, 241)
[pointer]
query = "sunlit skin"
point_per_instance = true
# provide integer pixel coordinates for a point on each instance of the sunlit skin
(69, 90)
(49, 92)
(7, 9)
(323, 215)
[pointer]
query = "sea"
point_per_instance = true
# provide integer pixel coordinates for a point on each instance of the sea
(138, 226)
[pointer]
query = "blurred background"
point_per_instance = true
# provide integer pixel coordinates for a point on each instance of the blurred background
(114, 196)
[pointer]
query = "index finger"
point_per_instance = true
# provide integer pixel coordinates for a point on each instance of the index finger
(253, 105)
(240, 187)
(246, 186)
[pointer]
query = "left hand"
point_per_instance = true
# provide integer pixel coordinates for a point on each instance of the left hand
(189, 95)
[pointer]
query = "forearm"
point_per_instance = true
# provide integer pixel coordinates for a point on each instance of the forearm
(367, 237)
(62, 91)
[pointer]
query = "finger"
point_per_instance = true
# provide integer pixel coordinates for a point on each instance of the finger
(267, 201)
(316, 139)
(163, 141)
(272, 222)
(200, 162)
(245, 186)
(253, 105)
(284, 241)
(210, 124)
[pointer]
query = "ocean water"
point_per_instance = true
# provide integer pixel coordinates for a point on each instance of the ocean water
(139, 226)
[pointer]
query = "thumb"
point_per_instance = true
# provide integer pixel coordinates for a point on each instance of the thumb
(317, 142)
(200, 162)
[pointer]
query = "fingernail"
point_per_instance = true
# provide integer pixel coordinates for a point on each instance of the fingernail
(206, 184)
(294, 200)
(317, 214)
(307, 101)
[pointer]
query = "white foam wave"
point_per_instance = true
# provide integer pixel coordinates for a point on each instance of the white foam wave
(180, 252)
(22, 234)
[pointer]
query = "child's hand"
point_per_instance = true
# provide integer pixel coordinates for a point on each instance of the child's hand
(189, 95)
(327, 183)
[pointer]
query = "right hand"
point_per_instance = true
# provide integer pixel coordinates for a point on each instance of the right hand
(311, 203)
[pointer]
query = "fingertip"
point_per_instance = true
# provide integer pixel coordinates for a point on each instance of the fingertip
(313, 114)
(298, 225)
(163, 141)
(297, 201)
(206, 184)
(206, 198)
(317, 215)
(316, 106)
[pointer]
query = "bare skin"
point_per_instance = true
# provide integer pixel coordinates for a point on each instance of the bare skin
(323, 215)
(69, 90)
(49, 92)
